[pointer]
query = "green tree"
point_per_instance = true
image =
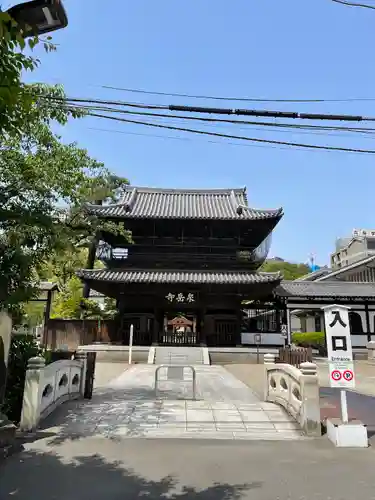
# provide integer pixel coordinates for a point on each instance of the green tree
(44, 184)
(289, 270)
(69, 304)
(16, 98)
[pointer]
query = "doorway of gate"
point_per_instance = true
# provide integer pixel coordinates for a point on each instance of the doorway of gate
(179, 329)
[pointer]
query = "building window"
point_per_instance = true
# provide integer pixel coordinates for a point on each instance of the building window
(355, 323)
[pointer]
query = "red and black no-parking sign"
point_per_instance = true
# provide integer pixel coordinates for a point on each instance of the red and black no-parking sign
(341, 375)
(348, 375)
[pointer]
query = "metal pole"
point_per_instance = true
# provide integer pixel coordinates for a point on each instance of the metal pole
(344, 407)
(257, 354)
(194, 383)
(131, 343)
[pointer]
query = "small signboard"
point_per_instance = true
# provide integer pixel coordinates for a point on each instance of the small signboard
(339, 347)
(257, 338)
(284, 331)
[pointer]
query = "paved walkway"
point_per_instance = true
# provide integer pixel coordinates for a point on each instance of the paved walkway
(361, 402)
(225, 409)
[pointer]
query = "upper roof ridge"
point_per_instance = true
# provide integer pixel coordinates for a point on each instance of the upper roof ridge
(184, 203)
(203, 191)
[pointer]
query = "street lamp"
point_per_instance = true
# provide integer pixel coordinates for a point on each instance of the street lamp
(38, 17)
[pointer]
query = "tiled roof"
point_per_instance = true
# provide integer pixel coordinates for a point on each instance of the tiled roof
(46, 286)
(193, 277)
(325, 289)
(315, 275)
(225, 204)
(334, 275)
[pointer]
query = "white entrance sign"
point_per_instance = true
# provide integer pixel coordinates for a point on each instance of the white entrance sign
(340, 354)
(339, 346)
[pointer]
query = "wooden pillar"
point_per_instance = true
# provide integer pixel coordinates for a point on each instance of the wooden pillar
(238, 326)
(47, 313)
(157, 327)
(201, 333)
(91, 259)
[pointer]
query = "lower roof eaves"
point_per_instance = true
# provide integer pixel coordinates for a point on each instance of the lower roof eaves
(179, 276)
(326, 289)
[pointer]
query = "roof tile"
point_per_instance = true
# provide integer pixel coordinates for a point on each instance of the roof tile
(191, 277)
(325, 289)
(140, 202)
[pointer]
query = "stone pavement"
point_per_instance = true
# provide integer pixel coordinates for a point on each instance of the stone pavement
(361, 402)
(225, 409)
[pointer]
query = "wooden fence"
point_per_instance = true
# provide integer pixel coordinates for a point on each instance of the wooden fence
(294, 355)
(69, 334)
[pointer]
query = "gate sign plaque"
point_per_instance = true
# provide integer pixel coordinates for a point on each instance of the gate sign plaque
(339, 347)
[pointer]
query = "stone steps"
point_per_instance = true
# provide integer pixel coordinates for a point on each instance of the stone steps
(179, 356)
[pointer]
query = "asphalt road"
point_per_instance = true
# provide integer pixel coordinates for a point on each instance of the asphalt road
(98, 468)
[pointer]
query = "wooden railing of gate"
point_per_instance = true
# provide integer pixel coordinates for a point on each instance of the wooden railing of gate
(175, 338)
(294, 355)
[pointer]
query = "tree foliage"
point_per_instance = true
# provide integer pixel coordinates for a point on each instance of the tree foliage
(69, 304)
(44, 183)
(23, 347)
(290, 271)
(16, 98)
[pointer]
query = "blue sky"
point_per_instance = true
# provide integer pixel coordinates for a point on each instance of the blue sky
(247, 48)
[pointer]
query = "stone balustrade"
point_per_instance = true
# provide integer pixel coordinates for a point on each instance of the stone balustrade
(297, 390)
(46, 387)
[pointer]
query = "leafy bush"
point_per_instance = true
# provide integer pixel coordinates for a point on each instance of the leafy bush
(23, 347)
(316, 340)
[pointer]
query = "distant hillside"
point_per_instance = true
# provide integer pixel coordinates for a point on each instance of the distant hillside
(289, 270)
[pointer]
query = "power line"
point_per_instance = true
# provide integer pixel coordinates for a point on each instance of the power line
(244, 138)
(352, 4)
(221, 98)
(231, 143)
(222, 111)
(227, 121)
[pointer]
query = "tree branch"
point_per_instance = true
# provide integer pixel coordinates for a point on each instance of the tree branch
(352, 4)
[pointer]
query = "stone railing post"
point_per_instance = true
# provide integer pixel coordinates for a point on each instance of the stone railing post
(82, 356)
(268, 360)
(310, 409)
(32, 394)
(371, 351)
(5, 339)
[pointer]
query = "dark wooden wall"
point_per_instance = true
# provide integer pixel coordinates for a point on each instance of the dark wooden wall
(71, 333)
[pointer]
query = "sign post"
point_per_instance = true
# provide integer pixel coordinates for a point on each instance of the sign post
(340, 353)
(131, 334)
(341, 375)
